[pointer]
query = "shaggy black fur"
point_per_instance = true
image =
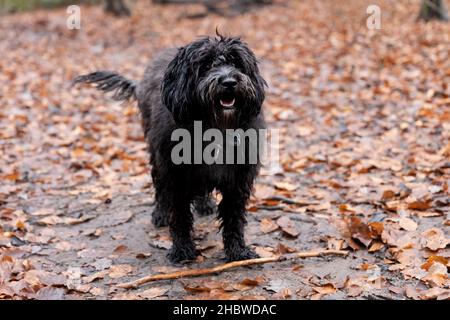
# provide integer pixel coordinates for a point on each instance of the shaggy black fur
(180, 87)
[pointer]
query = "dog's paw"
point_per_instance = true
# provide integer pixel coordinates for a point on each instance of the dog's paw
(179, 254)
(205, 207)
(160, 218)
(241, 254)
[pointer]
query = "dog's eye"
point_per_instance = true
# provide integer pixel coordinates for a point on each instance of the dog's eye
(238, 65)
(216, 64)
(235, 62)
(205, 67)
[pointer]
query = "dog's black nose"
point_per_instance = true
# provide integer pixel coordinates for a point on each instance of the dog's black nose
(229, 83)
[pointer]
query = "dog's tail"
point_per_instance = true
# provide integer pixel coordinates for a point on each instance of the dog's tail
(122, 88)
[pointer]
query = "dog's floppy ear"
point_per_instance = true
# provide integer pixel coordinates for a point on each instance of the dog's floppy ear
(177, 87)
(250, 63)
(260, 94)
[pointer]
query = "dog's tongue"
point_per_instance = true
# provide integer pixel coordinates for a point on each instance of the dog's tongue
(227, 103)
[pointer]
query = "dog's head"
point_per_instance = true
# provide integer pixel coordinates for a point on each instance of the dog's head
(215, 80)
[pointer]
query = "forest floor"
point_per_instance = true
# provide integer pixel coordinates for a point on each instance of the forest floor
(364, 117)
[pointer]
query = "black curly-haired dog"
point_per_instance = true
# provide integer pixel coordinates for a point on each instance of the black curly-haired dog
(213, 80)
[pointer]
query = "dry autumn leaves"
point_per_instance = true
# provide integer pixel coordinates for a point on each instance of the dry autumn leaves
(364, 117)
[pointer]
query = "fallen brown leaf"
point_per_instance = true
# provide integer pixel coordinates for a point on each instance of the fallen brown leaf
(408, 224)
(288, 226)
(120, 270)
(153, 293)
(268, 225)
(435, 239)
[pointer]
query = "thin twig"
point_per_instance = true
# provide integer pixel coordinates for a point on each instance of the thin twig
(223, 267)
(288, 200)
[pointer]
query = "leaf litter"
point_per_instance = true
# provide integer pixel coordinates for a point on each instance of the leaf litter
(364, 156)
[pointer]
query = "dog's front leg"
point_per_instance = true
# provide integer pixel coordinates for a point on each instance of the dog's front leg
(180, 224)
(232, 213)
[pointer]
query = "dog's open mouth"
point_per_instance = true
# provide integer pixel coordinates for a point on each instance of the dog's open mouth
(227, 101)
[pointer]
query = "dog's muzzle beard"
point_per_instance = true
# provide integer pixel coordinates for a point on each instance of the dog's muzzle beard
(224, 93)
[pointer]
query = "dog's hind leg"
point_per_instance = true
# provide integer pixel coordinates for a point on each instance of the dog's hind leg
(160, 218)
(204, 206)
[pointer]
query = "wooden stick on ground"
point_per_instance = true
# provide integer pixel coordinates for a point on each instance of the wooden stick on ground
(226, 266)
